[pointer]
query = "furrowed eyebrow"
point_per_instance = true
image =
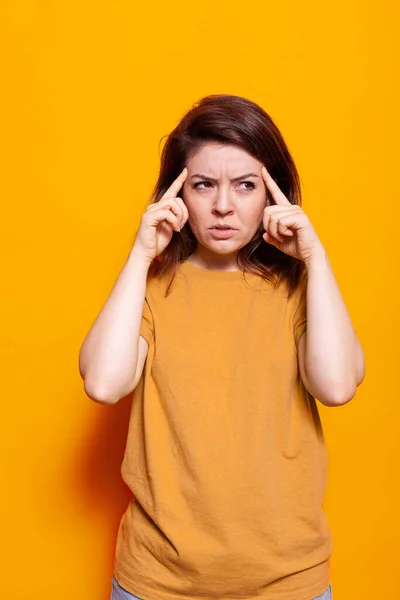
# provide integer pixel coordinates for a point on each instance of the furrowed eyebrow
(245, 176)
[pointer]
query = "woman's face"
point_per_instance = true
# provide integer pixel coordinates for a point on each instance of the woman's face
(223, 187)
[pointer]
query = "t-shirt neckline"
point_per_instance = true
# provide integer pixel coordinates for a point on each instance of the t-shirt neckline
(189, 267)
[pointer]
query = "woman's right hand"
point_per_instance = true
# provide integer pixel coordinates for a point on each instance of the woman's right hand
(161, 219)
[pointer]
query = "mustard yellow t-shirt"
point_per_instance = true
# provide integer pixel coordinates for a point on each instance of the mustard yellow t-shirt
(225, 453)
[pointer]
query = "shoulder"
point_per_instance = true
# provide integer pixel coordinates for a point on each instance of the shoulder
(157, 284)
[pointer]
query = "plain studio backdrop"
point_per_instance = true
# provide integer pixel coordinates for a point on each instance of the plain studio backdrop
(89, 88)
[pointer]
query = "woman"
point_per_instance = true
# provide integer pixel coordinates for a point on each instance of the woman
(227, 321)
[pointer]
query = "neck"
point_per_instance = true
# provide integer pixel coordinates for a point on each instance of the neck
(206, 259)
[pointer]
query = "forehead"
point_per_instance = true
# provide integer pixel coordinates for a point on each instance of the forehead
(214, 157)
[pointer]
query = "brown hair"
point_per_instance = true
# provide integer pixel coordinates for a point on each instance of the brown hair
(231, 120)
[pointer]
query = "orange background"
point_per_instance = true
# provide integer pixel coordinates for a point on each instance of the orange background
(89, 88)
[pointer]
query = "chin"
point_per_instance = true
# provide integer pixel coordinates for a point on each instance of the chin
(223, 247)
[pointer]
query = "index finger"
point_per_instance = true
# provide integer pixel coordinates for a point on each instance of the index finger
(176, 185)
(274, 188)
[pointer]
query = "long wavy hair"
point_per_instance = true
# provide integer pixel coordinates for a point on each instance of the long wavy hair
(233, 120)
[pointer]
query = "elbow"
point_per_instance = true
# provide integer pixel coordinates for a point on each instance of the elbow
(336, 390)
(332, 391)
(337, 395)
(360, 368)
(99, 395)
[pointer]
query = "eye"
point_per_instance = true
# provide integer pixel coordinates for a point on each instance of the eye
(202, 183)
(249, 183)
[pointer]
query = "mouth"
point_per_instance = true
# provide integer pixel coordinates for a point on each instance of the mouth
(223, 227)
(222, 232)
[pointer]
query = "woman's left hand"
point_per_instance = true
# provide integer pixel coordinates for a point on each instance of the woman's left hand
(287, 226)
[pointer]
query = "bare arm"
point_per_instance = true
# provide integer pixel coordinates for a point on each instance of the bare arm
(109, 353)
(112, 355)
(331, 359)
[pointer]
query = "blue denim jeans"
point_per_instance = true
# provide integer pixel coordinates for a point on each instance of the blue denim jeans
(118, 593)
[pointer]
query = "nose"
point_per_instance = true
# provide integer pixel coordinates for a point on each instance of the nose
(223, 203)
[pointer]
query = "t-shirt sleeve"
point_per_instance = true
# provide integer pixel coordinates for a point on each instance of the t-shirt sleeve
(147, 324)
(300, 312)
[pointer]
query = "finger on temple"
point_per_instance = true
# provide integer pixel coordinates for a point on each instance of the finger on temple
(177, 184)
